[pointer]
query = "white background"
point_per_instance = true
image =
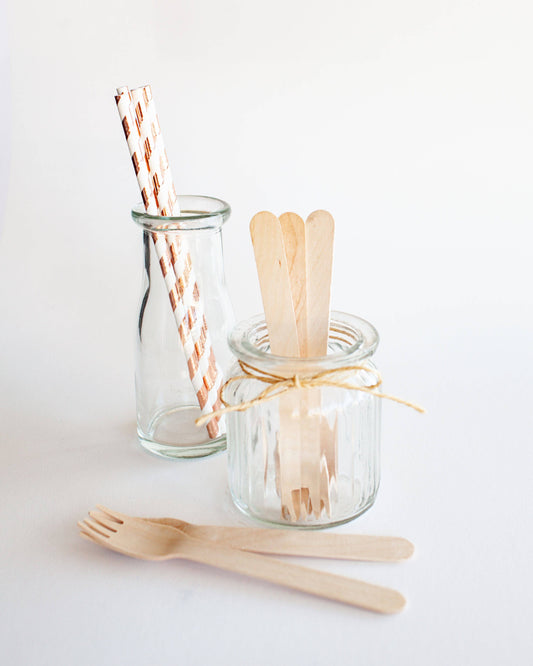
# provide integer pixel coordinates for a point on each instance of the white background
(412, 123)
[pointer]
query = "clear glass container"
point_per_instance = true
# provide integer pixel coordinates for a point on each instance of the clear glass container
(167, 401)
(309, 458)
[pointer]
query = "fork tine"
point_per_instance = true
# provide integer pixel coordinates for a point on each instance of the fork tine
(114, 515)
(98, 540)
(89, 537)
(103, 520)
(91, 526)
(83, 528)
(88, 533)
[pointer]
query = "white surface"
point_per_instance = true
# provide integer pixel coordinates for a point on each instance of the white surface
(412, 123)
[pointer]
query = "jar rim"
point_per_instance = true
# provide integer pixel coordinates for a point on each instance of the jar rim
(198, 212)
(360, 338)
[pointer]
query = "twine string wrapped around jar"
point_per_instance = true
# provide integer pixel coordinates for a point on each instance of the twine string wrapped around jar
(278, 385)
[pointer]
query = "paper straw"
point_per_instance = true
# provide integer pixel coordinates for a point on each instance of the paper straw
(204, 372)
(123, 100)
(153, 147)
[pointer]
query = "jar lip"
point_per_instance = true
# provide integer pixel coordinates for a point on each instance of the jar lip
(365, 341)
(198, 212)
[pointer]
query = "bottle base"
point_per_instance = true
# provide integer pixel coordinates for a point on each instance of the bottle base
(173, 434)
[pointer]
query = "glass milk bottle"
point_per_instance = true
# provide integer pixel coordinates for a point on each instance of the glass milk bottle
(182, 356)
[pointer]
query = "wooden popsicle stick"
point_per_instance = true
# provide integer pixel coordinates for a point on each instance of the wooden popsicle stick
(308, 434)
(311, 449)
(267, 240)
(319, 231)
(294, 239)
(293, 232)
(325, 497)
(272, 268)
(289, 438)
(328, 462)
(309, 252)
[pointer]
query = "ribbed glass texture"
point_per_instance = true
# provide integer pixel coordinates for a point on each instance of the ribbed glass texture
(310, 458)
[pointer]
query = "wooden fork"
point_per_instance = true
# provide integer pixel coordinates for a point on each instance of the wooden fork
(151, 541)
(355, 547)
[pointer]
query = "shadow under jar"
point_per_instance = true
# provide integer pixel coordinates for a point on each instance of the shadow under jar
(167, 400)
(309, 458)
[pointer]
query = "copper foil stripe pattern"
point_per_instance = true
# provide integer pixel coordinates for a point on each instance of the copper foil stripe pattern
(204, 372)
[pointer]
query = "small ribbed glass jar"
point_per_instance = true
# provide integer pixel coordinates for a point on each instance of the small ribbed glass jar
(175, 352)
(309, 458)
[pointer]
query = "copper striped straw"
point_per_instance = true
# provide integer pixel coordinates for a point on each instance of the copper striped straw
(144, 139)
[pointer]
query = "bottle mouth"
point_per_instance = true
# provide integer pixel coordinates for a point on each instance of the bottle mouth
(351, 340)
(197, 212)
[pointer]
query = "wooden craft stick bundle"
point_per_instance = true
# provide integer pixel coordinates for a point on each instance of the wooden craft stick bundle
(294, 264)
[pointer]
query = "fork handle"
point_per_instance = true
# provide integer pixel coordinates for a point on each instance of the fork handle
(360, 547)
(322, 584)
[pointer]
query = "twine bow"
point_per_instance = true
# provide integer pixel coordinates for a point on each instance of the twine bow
(278, 385)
